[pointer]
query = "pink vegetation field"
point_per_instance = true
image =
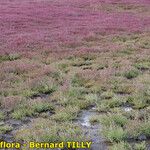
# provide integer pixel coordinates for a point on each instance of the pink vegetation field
(35, 25)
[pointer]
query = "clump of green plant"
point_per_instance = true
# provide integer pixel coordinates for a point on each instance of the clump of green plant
(144, 65)
(102, 66)
(102, 106)
(147, 93)
(123, 88)
(76, 92)
(138, 100)
(42, 107)
(66, 114)
(131, 74)
(115, 102)
(91, 97)
(145, 128)
(144, 44)
(107, 95)
(119, 120)
(46, 130)
(9, 57)
(113, 127)
(140, 146)
(131, 128)
(5, 128)
(114, 133)
(136, 128)
(81, 63)
(76, 97)
(128, 50)
(116, 65)
(107, 104)
(44, 86)
(29, 93)
(57, 76)
(120, 39)
(22, 112)
(86, 102)
(64, 67)
(2, 116)
(121, 146)
(114, 119)
(88, 57)
(70, 132)
(78, 80)
(28, 108)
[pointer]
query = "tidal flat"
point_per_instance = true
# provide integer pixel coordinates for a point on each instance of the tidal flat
(75, 71)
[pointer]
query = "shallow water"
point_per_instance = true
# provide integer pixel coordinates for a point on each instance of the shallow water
(92, 131)
(127, 109)
(15, 124)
